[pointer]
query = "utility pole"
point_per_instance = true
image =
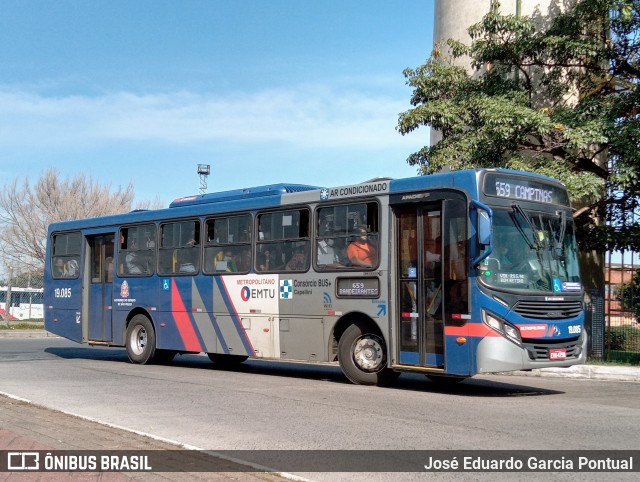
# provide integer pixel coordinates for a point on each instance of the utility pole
(30, 294)
(7, 304)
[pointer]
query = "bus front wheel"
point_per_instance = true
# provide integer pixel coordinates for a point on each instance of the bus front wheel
(363, 357)
(141, 340)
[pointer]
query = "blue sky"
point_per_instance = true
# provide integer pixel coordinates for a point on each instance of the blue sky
(263, 91)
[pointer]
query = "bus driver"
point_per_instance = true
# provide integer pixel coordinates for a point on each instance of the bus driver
(361, 252)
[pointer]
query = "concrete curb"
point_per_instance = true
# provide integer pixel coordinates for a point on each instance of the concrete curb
(587, 372)
(26, 334)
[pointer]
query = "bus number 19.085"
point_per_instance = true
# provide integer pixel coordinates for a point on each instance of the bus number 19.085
(62, 292)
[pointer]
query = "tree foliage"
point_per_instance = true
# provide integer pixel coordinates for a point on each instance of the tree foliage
(26, 212)
(555, 94)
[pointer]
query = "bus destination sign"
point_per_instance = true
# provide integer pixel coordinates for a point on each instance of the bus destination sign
(516, 188)
(358, 288)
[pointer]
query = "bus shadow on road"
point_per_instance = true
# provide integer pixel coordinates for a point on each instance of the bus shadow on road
(89, 353)
(472, 387)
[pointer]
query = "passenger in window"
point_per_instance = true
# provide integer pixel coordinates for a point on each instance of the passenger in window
(327, 253)
(340, 248)
(514, 257)
(509, 253)
(131, 259)
(189, 258)
(148, 261)
(361, 251)
(225, 262)
(149, 240)
(298, 261)
(265, 261)
(59, 269)
(243, 260)
(72, 268)
(130, 262)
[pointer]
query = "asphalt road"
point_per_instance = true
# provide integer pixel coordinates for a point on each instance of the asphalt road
(263, 405)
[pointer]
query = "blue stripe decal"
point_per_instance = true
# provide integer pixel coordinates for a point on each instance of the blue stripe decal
(234, 316)
(205, 290)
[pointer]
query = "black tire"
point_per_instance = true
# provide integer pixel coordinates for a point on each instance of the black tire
(224, 360)
(164, 357)
(140, 340)
(445, 380)
(363, 357)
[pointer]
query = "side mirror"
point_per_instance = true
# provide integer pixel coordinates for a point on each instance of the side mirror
(483, 231)
(484, 227)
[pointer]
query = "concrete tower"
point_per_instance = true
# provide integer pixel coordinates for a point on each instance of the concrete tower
(452, 18)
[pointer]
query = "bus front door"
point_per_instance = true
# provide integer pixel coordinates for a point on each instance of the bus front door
(101, 287)
(419, 241)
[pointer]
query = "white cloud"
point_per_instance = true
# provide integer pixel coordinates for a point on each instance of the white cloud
(304, 117)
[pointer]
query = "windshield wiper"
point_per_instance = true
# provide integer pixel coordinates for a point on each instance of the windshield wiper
(536, 238)
(563, 229)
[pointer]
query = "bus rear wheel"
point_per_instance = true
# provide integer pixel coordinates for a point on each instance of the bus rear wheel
(140, 340)
(363, 357)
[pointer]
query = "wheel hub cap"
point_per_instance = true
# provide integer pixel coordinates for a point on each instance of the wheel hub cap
(368, 353)
(140, 340)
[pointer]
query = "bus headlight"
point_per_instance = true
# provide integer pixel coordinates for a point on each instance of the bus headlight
(512, 332)
(501, 326)
(492, 321)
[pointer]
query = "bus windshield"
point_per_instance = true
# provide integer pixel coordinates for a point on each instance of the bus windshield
(533, 251)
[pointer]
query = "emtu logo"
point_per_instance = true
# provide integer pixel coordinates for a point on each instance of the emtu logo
(245, 293)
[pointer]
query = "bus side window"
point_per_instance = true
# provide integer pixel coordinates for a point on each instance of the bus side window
(284, 241)
(179, 251)
(347, 237)
(136, 250)
(228, 245)
(65, 255)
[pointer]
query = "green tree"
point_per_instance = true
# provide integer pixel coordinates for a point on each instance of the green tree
(559, 97)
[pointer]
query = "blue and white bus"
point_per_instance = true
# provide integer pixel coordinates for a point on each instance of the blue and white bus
(448, 275)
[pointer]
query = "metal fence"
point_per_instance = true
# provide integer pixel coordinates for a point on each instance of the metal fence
(621, 297)
(24, 290)
(621, 308)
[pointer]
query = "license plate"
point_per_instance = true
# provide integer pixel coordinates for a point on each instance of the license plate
(558, 354)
